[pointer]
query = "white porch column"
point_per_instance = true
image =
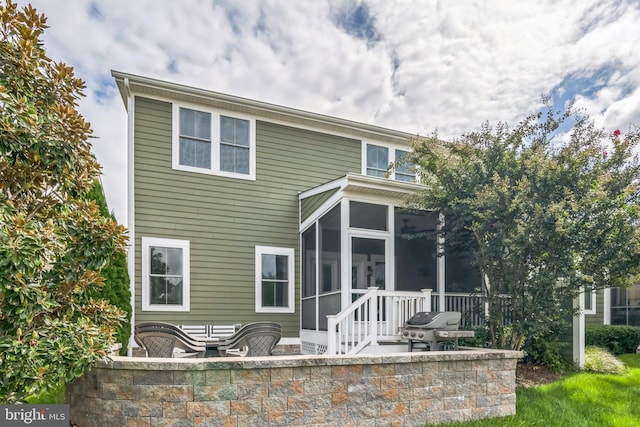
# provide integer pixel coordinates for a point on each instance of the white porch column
(606, 306)
(374, 324)
(442, 301)
(578, 331)
(331, 335)
(426, 295)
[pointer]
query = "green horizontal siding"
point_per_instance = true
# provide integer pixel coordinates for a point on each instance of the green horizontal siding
(310, 204)
(225, 218)
(598, 318)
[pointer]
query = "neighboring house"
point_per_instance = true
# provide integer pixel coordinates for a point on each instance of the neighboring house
(241, 211)
(613, 306)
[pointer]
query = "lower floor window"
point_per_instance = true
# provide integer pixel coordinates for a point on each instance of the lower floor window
(274, 279)
(165, 274)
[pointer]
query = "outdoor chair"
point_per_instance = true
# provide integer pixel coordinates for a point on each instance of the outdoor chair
(163, 344)
(252, 339)
(160, 339)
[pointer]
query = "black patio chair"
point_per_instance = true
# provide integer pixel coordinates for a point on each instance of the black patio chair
(252, 339)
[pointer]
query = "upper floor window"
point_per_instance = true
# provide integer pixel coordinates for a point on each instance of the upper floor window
(165, 274)
(405, 170)
(208, 142)
(275, 285)
(378, 159)
(195, 139)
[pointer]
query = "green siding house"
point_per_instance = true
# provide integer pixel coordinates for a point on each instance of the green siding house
(241, 211)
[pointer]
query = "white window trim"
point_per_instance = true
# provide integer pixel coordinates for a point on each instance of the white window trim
(147, 242)
(270, 250)
(215, 142)
(592, 310)
(392, 156)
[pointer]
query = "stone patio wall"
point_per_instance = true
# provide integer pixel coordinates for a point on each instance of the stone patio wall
(405, 389)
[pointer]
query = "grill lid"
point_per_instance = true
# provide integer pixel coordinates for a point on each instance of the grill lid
(448, 320)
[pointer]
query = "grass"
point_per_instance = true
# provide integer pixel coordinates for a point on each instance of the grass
(580, 400)
(54, 395)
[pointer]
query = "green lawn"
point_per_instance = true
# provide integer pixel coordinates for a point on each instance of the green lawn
(582, 399)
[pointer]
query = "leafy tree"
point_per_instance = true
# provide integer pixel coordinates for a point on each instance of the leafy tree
(543, 214)
(116, 275)
(53, 243)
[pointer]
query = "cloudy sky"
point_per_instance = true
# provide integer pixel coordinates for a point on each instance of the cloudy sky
(414, 65)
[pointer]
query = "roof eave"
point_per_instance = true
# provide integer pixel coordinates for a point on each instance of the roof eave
(155, 87)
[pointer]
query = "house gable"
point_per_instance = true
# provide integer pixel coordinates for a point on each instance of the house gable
(224, 218)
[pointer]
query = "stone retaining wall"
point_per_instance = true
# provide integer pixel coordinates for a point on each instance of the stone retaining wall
(406, 389)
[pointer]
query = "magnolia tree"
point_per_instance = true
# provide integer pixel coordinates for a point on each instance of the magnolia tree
(53, 243)
(544, 214)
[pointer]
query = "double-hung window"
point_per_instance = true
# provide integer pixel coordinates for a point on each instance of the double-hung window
(379, 157)
(235, 148)
(206, 141)
(405, 170)
(377, 160)
(195, 139)
(165, 274)
(275, 284)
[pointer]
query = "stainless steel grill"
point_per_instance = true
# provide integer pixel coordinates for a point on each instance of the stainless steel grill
(430, 330)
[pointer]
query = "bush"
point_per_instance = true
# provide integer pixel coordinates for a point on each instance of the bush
(481, 339)
(599, 360)
(617, 339)
(115, 274)
(546, 351)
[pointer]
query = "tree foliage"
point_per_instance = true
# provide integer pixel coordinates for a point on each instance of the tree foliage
(543, 213)
(116, 275)
(53, 243)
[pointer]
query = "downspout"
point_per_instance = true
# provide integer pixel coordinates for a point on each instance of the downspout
(130, 216)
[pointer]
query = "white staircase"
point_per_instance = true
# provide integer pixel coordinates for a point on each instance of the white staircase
(374, 318)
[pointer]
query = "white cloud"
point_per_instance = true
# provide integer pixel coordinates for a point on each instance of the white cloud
(432, 64)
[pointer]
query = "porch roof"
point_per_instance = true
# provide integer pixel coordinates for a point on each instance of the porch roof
(318, 200)
(364, 184)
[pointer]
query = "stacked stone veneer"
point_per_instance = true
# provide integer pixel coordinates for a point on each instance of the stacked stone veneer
(407, 389)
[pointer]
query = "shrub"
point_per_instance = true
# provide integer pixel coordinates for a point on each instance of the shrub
(115, 274)
(597, 359)
(546, 351)
(481, 339)
(617, 339)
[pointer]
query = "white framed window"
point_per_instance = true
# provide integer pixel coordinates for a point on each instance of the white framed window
(405, 170)
(589, 300)
(210, 142)
(275, 285)
(377, 159)
(165, 274)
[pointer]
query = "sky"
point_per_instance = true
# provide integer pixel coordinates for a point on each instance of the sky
(417, 66)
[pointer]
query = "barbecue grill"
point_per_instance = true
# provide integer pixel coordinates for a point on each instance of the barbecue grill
(432, 329)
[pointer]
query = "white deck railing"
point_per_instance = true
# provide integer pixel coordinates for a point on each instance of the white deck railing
(375, 316)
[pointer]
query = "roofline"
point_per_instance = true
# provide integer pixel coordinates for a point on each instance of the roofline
(148, 85)
(352, 181)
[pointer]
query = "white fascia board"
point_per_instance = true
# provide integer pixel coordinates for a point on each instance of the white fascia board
(146, 85)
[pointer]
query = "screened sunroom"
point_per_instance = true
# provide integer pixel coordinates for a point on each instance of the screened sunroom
(359, 240)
